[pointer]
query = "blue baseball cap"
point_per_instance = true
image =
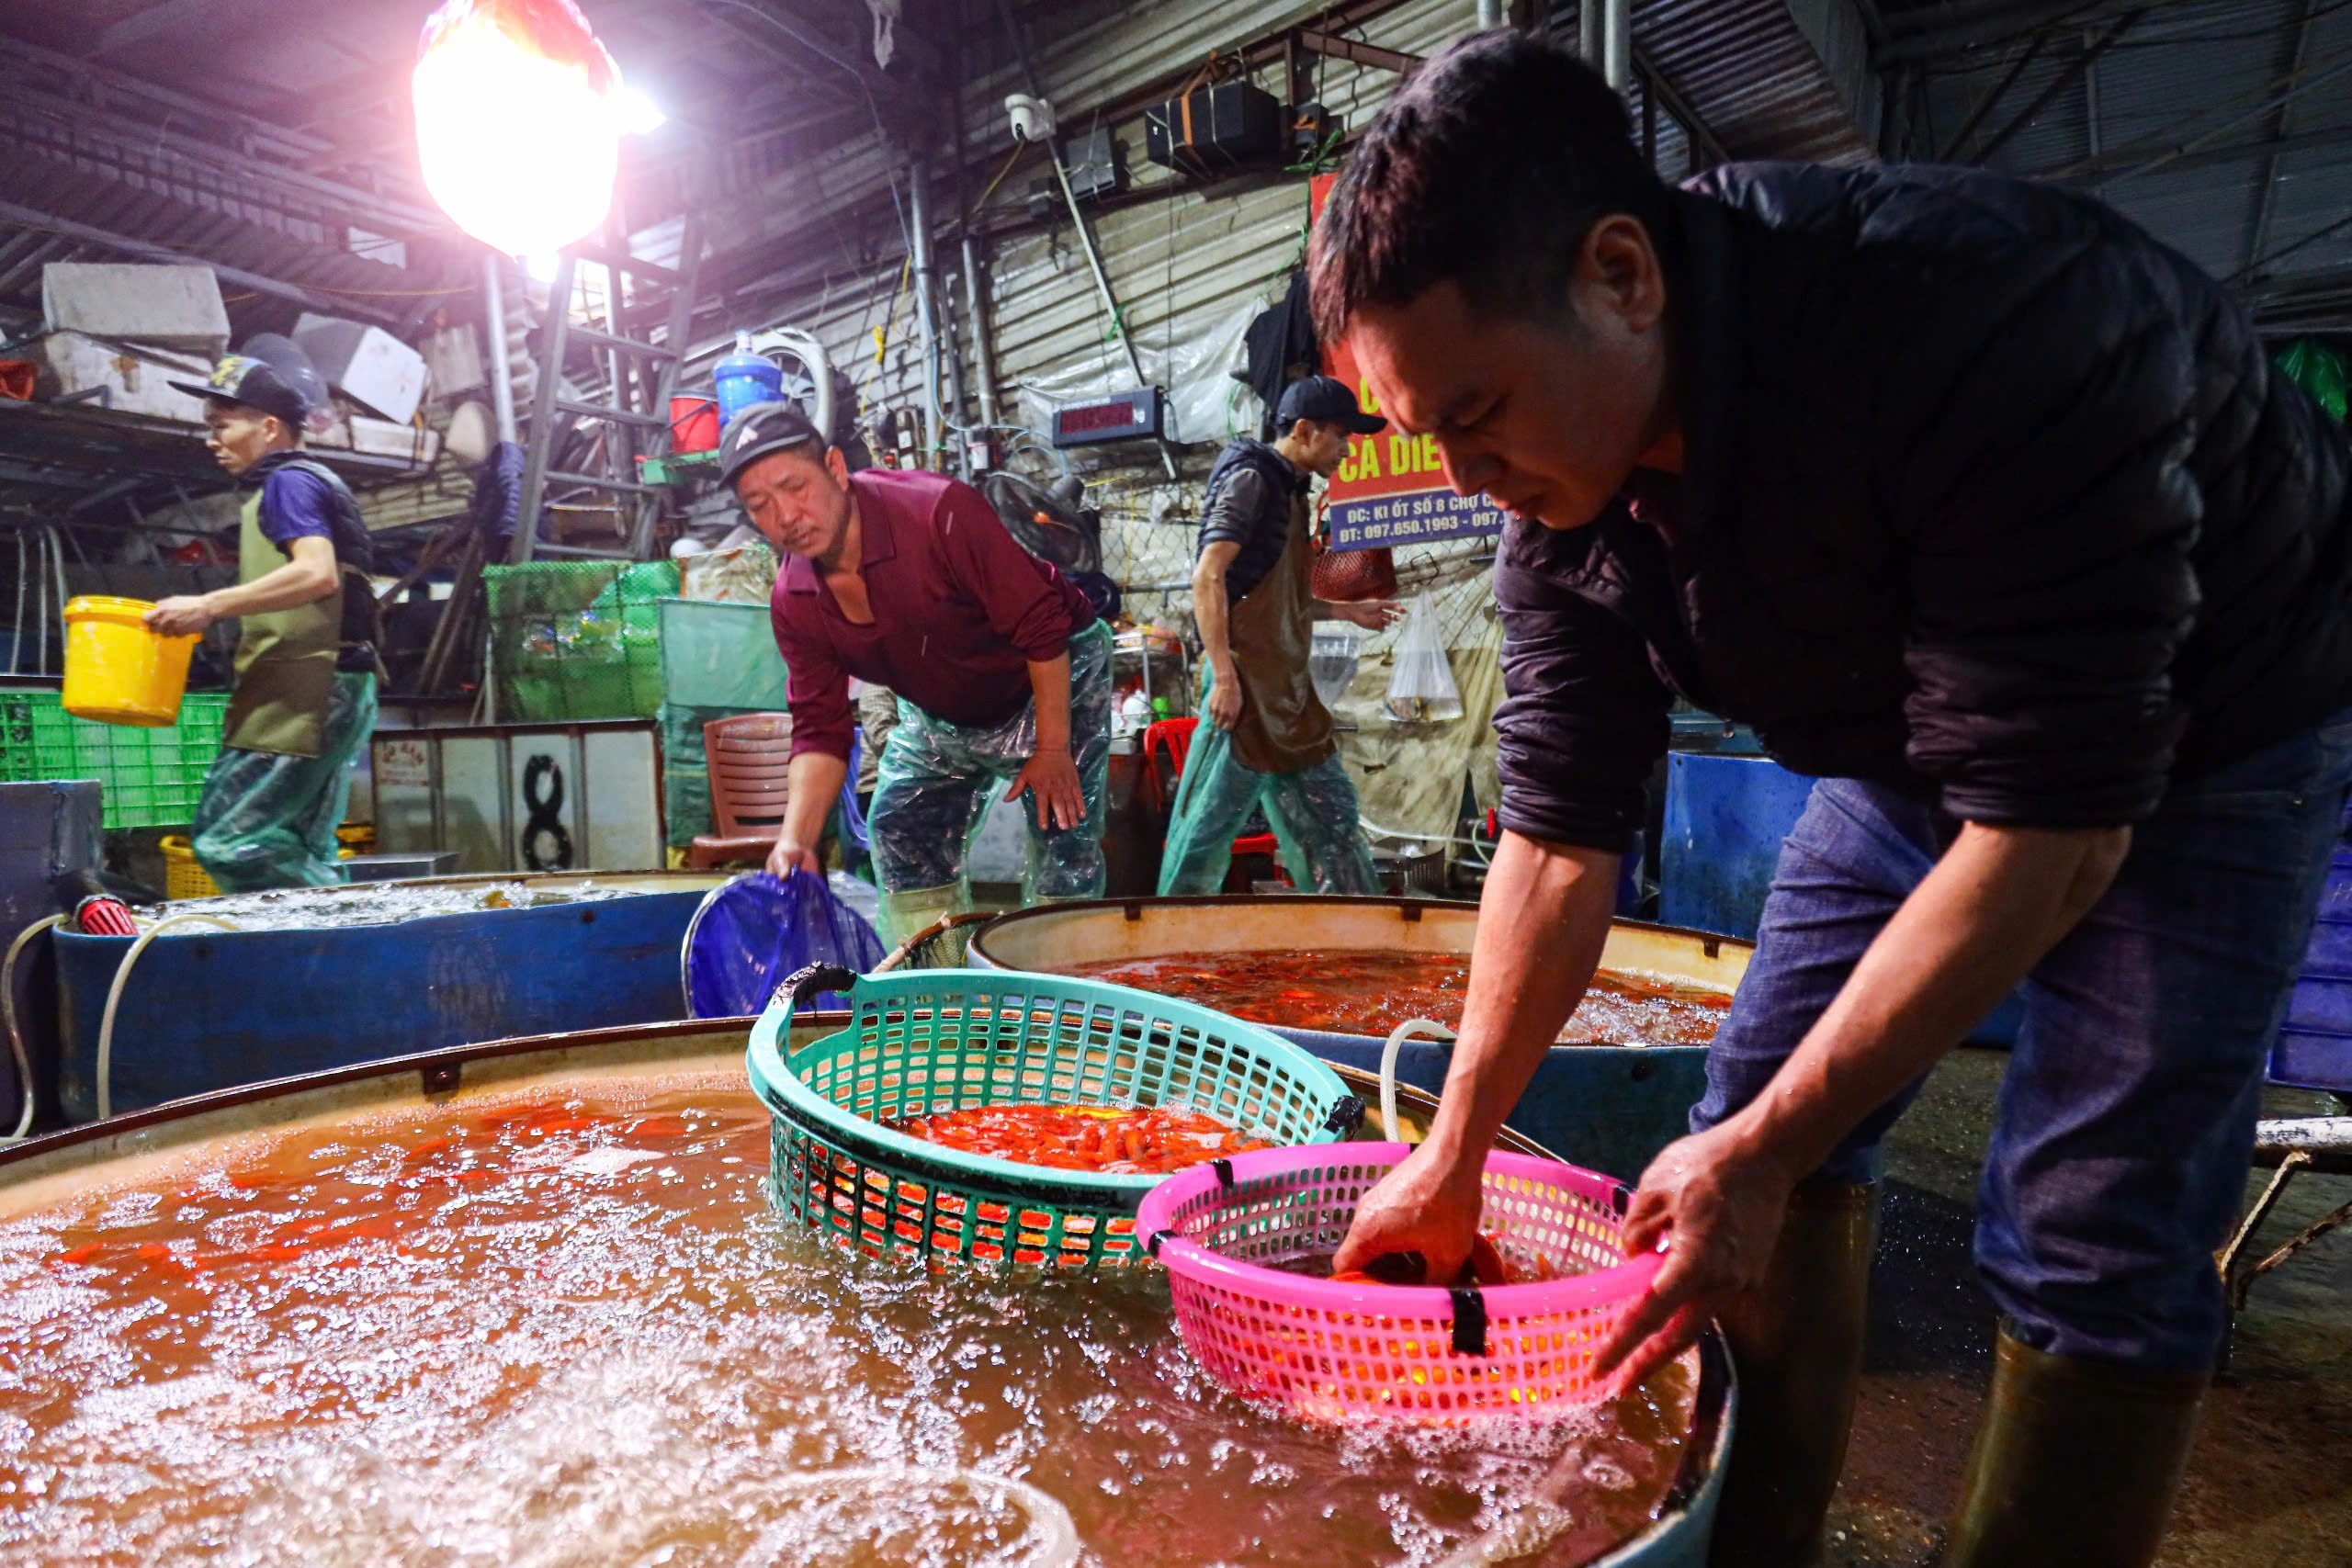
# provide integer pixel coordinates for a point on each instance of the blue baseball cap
(1326, 398)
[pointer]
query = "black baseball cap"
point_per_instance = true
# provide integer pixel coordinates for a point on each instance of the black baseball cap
(240, 379)
(1326, 398)
(760, 430)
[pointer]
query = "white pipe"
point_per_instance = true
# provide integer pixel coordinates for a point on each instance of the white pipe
(1059, 1549)
(493, 327)
(1490, 14)
(1617, 44)
(15, 1039)
(114, 999)
(1397, 1038)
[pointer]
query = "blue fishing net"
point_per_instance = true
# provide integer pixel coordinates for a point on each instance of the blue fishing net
(754, 931)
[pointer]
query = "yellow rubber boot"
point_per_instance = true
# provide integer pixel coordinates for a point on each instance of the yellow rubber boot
(2075, 1463)
(1797, 1342)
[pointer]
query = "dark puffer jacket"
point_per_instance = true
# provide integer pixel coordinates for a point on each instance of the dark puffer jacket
(1987, 495)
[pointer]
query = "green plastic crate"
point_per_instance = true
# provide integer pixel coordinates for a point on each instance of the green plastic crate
(149, 778)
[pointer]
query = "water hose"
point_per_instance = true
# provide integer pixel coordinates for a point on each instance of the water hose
(114, 999)
(1058, 1550)
(16, 1038)
(1397, 1038)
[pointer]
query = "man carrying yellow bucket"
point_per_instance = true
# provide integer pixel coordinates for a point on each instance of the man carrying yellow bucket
(305, 697)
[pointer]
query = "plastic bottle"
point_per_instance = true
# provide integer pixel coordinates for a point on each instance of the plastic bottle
(744, 378)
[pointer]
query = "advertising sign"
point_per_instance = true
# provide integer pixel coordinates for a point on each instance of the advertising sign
(1392, 488)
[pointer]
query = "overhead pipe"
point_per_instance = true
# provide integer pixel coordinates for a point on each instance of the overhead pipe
(983, 347)
(926, 303)
(1490, 14)
(1078, 221)
(1617, 44)
(493, 330)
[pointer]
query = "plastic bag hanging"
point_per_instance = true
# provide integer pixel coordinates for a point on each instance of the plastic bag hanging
(755, 930)
(1422, 688)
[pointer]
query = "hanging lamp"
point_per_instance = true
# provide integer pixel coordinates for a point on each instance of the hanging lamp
(518, 121)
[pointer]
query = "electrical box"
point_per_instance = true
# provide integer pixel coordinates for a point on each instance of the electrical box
(1121, 416)
(1097, 164)
(1215, 128)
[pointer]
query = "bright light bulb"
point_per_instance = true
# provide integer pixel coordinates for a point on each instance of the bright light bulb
(540, 266)
(641, 116)
(517, 122)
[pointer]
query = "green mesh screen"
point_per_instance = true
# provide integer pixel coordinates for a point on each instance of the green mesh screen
(578, 639)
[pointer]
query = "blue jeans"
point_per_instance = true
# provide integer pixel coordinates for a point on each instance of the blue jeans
(2121, 1135)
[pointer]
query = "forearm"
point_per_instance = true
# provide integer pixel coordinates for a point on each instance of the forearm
(812, 782)
(295, 583)
(1994, 904)
(1049, 685)
(1543, 917)
(1209, 619)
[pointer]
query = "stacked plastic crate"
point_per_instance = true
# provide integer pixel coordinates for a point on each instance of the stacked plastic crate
(151, 778)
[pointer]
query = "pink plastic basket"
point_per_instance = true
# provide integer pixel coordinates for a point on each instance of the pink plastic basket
(1330, 1351)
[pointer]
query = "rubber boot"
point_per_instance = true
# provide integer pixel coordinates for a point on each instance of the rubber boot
(2075, 1464)
(1797, 1342)
(909, 914)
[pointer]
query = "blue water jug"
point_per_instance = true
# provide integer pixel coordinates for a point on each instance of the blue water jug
(744, 378)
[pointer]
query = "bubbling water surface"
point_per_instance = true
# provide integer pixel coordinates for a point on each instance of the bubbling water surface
(562, 1327)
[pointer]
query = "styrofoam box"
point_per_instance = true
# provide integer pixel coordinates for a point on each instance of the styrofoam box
(365, 364)
(168, 307)
(134, 377)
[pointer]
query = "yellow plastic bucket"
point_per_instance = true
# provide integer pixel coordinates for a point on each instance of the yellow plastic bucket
(119, 671)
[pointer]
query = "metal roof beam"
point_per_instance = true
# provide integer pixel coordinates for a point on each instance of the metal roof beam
(10, 212)
(2236, 152)
(259, 148)
(2076, 70)
(1964, 28)
(2267, 197)
(154, 22)
(2162, 150)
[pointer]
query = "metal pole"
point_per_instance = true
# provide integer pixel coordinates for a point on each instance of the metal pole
(493, 327)
(1617, 44)
(1490, 14)
(1588, 31)
(1078, 221)
(983, 349)
(926, 306)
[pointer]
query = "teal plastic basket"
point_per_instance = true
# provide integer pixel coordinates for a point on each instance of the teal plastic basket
(938, 1040)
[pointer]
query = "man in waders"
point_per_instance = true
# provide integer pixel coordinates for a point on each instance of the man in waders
(1268, 742)
(1988, 512)
(304, 700)
(910, 581)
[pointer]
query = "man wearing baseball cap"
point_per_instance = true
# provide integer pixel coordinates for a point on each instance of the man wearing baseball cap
(305, 695)
(1268, 742)
(909, 579)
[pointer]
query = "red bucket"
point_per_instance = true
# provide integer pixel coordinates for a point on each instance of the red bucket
(694, 424)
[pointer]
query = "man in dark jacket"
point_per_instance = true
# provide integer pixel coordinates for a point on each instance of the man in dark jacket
(1986, 509)
(1268, 743)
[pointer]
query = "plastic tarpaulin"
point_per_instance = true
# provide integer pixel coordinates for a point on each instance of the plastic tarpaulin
(754, 931)
(1204, 402)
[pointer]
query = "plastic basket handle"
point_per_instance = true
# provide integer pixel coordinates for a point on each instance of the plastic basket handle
(817, 979)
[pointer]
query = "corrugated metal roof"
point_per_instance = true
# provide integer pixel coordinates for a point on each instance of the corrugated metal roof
(1750, 74)
(2168, 124)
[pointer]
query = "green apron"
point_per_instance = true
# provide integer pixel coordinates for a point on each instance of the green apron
(284, 658)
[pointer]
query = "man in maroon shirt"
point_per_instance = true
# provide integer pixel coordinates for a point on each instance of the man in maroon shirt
(909, 581)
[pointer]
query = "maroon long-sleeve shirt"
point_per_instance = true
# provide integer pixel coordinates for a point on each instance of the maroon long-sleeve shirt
(960, 612)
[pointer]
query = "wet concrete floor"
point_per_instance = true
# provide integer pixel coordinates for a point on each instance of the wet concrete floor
(2270, 1483)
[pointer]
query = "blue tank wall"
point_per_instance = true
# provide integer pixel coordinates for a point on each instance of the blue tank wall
(205, 1011)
